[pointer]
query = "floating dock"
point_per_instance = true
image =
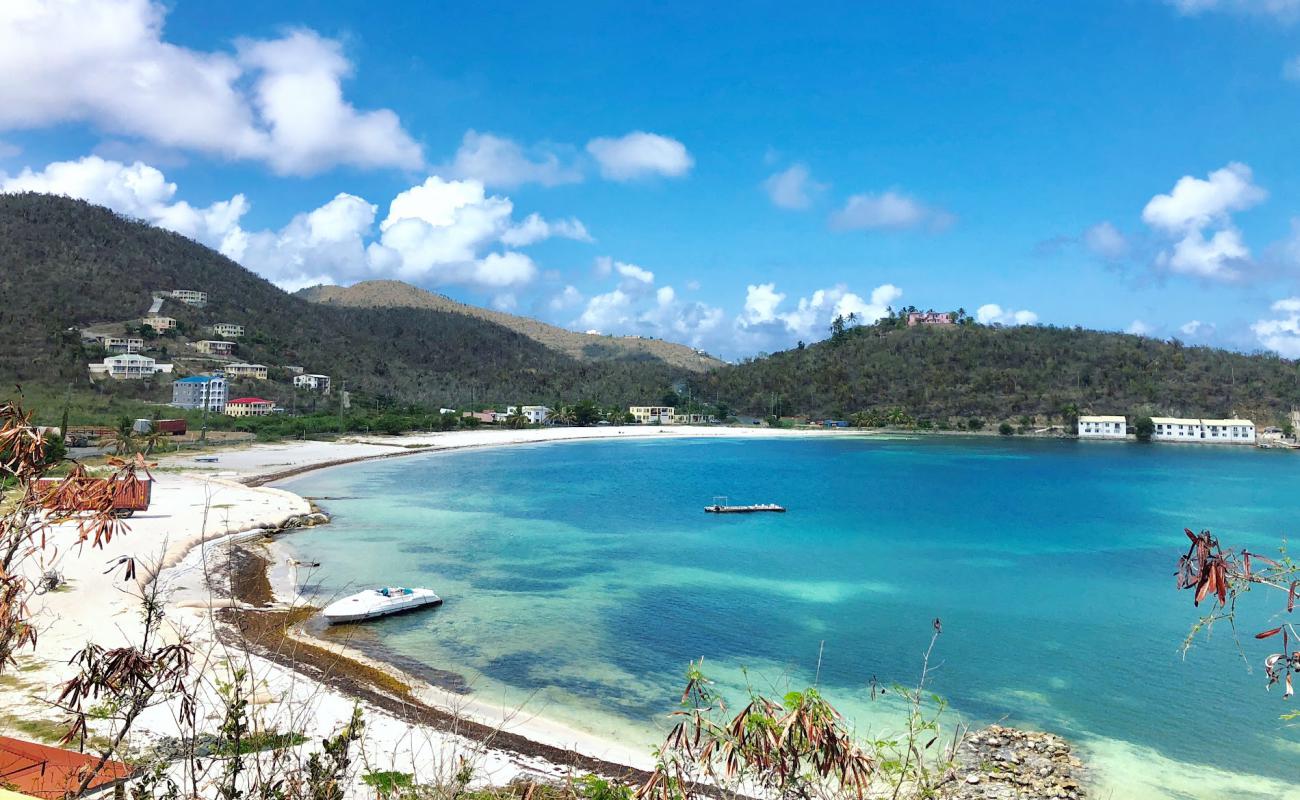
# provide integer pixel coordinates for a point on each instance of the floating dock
(750, 509)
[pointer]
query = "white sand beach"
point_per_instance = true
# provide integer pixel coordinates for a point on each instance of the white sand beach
(200, 507)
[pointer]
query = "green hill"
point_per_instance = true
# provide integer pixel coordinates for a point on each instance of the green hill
(947, 374)
(67, 265)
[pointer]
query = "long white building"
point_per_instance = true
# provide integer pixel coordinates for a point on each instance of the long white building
(1102, 427)
(1203, 431)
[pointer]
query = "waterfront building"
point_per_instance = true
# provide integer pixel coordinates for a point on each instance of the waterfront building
(915, 318)
(319, 383)
(255, 371)
(228, 329)
(652, 415)
(214, 348)
(189, 297)
(1203, 431)
(129, 366)
(535, 415)
(249, 407)
(1102, 427)
(200, 391)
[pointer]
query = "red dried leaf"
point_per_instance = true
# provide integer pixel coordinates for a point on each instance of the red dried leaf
(1266, 634)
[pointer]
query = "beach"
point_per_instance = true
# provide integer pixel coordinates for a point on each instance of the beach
(202, 512)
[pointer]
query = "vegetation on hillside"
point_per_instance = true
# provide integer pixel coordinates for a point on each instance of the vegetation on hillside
(946, 373)
(69, 264)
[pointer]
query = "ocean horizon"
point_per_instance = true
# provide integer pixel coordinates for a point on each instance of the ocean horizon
(581, 578)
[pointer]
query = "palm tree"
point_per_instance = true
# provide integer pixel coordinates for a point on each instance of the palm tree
(151, 440)
(562, 415)
(122, 441)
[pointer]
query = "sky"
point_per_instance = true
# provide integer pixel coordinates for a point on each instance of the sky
(729, 176)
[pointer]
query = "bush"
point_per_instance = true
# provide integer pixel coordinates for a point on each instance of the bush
(975, 424)
(1005, 429)
(1144, 427)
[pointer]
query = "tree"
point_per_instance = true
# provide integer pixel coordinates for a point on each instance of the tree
(1144, 428)
(584, 413)
(1006, 429)
(515, 420)
(838, 327)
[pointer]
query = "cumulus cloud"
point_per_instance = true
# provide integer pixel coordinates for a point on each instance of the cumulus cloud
(1106, 241)
(503, 163)
(1281, 334)
(891, 211)
(106, 63)
(792, 188)
(1196, 206)
(1139, 328)
(435, 233)
(640, 155)
(1197, 329)
(994, 314)
(764, 321)
(567, 298)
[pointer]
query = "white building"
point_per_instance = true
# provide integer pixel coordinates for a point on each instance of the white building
(1203, 431)
(319, 383)
(535, 415)
(200, 391)
(1102, 427)
(120, 344)
(189, 297)
(652, 415)
(129, 366)
(228, 329)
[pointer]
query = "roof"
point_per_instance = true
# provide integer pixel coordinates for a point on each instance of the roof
(241, 364)
(1183, 421)
(1096, 418)
(50, 772)
(197, 379)
(242, 400)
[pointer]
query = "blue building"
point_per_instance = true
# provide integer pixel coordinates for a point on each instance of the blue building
(200, 391)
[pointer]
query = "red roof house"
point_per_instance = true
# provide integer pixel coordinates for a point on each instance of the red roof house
(51, 772)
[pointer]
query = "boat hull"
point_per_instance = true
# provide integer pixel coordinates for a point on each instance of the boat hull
(372, 605)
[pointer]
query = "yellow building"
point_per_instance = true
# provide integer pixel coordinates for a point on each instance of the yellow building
(256, 371)
(248, 407)
(651, 415)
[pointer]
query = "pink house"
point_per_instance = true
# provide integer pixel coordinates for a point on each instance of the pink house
(928, 318)
(482, 416)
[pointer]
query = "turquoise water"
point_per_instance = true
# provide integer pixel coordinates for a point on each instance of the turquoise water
(580, 578)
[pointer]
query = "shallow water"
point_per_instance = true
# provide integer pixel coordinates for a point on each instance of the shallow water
(581, 578)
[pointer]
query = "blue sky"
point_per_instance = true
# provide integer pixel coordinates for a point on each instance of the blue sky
(731, 177)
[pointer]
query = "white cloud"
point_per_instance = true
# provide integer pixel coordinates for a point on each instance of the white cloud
(501, 162)
(761, 302)
(890, 210)
(438, 232)
(567, 298)
(1106, 241)
(535, 229)
(640, 155)
(634, 273)
(792, 188)
(994, 314)
(1197, 329)
(1282, 333)
(606, 312)
(1197, 205)
(1139, 328)
(1282, 10)
(762, 324)
(105, 63)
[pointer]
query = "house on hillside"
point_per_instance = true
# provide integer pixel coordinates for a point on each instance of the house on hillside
(1203, 431)
(652, 415)
(213, 347)
(189, 297)
(120, 344)
(249, 407)
(255, 371)
(318, 383)
(1102, 427)
(159, 324)
(228, 330)
(915, 318)
(129, 366)
(200, 391)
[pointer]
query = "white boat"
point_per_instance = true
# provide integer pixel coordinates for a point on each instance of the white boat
(378, 603)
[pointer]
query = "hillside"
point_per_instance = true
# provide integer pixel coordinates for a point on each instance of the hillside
(997, 373)
(66, 264)
(582, 346)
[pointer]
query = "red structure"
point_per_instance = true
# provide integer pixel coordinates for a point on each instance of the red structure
(50, 772)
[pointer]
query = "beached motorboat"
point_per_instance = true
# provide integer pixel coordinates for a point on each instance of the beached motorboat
(378, 603)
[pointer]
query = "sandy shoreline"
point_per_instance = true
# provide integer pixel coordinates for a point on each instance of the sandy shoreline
(200, 511)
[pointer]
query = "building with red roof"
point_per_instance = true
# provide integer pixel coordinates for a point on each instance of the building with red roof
(248, 407)
(42, 771)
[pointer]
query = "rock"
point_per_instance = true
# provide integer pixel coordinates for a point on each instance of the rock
(1025, 765)
(973, 778)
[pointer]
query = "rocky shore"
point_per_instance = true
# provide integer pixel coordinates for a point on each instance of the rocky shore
(999, 763)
